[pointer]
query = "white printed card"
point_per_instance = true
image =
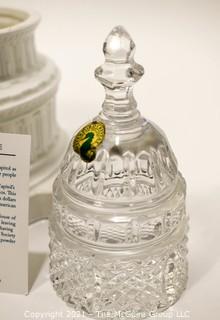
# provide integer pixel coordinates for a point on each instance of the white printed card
(14, 199)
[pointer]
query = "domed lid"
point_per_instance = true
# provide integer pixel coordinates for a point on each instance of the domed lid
(119, 156)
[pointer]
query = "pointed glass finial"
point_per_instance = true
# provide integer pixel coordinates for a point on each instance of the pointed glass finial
(118, 46)
(118, 74)
(119, 69)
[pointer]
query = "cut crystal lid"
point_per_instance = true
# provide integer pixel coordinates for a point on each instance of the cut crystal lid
(119, 155)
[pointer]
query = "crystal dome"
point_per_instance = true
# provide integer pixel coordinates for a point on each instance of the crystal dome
(135, 160)
(121, 169)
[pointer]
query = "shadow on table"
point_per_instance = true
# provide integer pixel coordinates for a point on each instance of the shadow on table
(36, 262)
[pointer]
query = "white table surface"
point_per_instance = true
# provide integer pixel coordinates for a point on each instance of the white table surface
(178, 44)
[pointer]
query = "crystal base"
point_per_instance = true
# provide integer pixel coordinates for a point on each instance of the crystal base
(136, 285)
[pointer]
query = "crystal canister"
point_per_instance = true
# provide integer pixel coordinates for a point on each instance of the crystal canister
(118, 230)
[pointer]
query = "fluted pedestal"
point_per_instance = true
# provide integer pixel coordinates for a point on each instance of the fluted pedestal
(28, 85)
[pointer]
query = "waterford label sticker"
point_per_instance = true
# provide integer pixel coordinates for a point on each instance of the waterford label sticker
(88, 139)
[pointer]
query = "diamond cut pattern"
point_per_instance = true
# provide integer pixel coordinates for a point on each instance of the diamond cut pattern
(132, 284)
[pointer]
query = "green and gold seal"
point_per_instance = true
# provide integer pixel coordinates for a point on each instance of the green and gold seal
(88, 139)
